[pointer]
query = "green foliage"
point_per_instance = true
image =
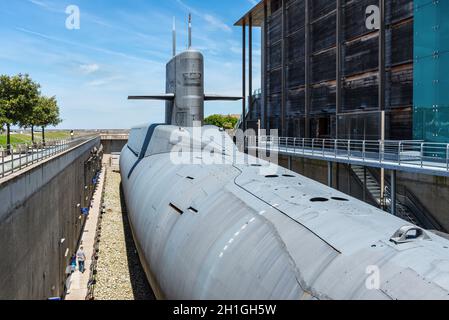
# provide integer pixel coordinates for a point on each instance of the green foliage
(45, 112)
(221, 121)
(21, 104)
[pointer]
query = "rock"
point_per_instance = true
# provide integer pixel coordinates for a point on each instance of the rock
(120, 275)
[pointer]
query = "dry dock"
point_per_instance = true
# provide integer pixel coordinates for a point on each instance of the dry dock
(119, 273)
(113, 270)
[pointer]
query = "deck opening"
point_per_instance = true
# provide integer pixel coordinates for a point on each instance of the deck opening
(190, 178)
(319, 199)
(193, 210)
(272, 176)
(176, 208)
(339, 199)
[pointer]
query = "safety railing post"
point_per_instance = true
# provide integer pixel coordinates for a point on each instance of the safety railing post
(26, 155)
(380, 151)
(447, 157)
(313, 147)
(303, 146)
(324, 142)
(294, 145)
(399, 152)
(3, 161)
(20, 157)
(279, 144)
(335, 148)
(422, 155)
(11, 147)
(349, 149)
(364, 150)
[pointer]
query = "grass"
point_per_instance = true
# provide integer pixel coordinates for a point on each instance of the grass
(26, 138)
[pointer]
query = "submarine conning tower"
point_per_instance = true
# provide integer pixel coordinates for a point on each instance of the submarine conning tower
(185, 80)
(184, 106)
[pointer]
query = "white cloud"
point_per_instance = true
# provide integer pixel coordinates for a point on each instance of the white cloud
(103, 81)
(39, 3)
(89, 68)
(98, 49)
(253, 2)
(215, 22)
(46, 6)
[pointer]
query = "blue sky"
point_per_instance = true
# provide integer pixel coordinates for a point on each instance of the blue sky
(120, 49)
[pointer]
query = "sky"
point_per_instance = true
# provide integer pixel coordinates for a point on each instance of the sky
(120, 49)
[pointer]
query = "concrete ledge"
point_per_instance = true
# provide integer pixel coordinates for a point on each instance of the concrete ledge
(17, 187)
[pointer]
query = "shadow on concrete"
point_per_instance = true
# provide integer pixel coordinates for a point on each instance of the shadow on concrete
(141, 287)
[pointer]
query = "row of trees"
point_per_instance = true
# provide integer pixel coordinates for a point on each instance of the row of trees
(22, 104)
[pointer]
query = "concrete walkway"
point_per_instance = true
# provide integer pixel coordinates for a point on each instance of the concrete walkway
(77, 283)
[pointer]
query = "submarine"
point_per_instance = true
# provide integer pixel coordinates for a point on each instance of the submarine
(210, 223)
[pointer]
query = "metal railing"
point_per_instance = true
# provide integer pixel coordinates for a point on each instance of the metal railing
(414, 153)
(16, 157)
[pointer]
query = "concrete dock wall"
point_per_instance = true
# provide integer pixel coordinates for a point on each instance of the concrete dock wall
(41, 222)
(113, 143)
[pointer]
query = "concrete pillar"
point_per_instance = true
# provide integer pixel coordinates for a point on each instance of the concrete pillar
(337, 176)
(393, 192)
(364, 184)
(329, 174)
(349, 178)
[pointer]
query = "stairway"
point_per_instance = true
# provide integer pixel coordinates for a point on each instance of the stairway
(371, 184)
(373, 188)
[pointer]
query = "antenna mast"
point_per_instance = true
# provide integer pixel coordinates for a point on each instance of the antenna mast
(190, 30)
(174, 36)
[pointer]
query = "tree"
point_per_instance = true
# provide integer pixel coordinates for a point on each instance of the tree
(18, 96)
(45, 113)
(221, 121)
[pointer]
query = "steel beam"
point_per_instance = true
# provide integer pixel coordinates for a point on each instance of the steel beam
(244, 76)
(349, 179)
(338, 66)
(283, 77)
(382, 56)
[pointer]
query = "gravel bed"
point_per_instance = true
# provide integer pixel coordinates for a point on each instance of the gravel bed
(119, 273)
